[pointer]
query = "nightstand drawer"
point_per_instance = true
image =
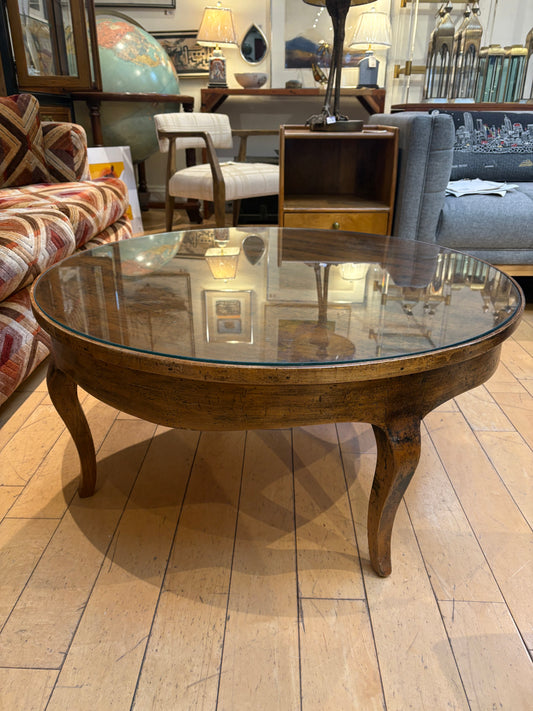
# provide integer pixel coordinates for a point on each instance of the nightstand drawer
(373, 222)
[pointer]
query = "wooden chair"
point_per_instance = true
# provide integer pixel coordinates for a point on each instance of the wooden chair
(214, 181)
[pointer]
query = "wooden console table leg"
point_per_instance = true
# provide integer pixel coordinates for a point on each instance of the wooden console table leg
(64, 395)
(398, 453)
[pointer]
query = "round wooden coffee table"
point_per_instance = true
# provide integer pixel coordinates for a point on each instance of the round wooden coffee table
(315, 326)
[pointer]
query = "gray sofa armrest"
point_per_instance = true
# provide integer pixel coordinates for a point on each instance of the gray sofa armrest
(424, 166)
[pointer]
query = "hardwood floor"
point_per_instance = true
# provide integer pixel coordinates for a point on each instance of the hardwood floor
(230, 571)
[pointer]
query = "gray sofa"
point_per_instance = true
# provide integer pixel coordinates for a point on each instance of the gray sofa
(496, 229)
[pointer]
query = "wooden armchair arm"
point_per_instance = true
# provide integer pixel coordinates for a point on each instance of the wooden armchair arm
(244, 133)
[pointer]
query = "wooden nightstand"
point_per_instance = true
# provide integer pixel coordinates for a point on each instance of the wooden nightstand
(342, 181)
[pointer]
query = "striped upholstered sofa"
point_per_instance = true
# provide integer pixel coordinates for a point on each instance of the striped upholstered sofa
(49, 208)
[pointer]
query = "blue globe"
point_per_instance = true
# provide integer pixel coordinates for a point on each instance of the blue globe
(131, 60)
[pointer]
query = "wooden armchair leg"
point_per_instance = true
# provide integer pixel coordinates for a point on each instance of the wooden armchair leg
(169, 212)
(236, 212)
(220, 215)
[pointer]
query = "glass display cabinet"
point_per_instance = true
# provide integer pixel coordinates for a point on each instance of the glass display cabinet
(452, 51)
(52, 45)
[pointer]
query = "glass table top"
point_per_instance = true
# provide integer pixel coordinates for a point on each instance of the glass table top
(269, 296)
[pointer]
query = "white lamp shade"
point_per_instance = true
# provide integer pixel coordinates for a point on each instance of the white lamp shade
(217, 28)
(373, 30)
(222, 261)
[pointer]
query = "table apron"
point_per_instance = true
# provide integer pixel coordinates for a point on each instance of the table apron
(170, 400)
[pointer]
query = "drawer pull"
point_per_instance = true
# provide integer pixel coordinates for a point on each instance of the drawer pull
(335, 226)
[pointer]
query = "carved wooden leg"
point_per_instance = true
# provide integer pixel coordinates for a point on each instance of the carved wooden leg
(64, 396)
(398, 454)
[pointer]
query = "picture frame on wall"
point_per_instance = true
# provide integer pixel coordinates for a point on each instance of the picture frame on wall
(188, 57)
(294, 50)
(148, 4)
(228, 316)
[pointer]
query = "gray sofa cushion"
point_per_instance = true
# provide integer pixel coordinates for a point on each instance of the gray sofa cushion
(488, 222)
(424, 165)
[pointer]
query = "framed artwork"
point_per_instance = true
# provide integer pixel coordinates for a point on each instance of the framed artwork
(167, 4)
(159, 312)
(287, 325)
(294, 50)
(115, 161)
(195, 243)
(189, 58)
(228, 316)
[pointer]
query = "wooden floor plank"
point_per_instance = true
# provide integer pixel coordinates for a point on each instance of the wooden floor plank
(182, 663)
(25, 689)
(39, 630)
(105, 656)
(500, 528)
(517, 359)
(8, 496)
(260, 657)
(495, 666)
(328, 560)
(482, 412)
(518, 407)
(54, 482)
(15, 412)
(503, 381)
(27, 448)
(513, 460)
(339, 664)
(417, 667)
(455, 562)
(22, 542)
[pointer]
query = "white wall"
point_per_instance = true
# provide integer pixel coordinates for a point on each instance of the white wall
(510, 21)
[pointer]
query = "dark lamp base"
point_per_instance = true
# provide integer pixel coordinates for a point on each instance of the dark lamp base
(347, 126)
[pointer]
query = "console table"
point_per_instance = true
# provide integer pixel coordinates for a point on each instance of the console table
(372, 100)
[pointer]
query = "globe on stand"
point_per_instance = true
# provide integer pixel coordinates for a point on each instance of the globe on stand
(131, 60)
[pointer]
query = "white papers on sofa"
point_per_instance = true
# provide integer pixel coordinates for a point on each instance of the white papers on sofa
(475, 186)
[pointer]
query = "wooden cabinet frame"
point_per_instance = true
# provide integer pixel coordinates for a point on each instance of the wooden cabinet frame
(336, 180)
(83, 37)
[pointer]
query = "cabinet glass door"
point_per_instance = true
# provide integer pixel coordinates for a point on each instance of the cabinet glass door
(51, 44)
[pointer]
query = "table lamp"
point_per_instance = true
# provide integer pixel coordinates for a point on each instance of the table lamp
(373, 31)
(217, 30)
(222, 260)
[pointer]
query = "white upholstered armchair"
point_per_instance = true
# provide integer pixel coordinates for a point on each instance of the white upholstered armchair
(214, 181)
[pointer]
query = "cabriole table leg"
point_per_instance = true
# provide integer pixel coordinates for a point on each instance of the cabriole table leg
(64, 395)
(398, 445)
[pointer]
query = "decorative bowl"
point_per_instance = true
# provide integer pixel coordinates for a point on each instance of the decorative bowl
(251, 80)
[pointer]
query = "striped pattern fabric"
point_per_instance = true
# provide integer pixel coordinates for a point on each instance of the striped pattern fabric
(242, 180)
(22, 156)
(119, 230)
(23, 344)
(91, 205)
(65, 150)
(31, 240)
(18, 198)
(49, 207)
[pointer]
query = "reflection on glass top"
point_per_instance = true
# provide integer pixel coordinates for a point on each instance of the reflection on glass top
(47, 36)
(265, 295)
